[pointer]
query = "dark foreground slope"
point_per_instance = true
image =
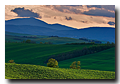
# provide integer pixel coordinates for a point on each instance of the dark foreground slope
(25, 71)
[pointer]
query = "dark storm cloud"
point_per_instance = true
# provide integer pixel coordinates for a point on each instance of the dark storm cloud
(111, 23)
(107, 7)
(98, 12)
(68, 18)
(101, 10)
(62, 7)
(97, 6)
(25, 13)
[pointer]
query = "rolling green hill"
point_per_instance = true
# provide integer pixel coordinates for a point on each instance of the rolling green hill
(37, 54)
(23, 53)
(25, 71)
(30, 62)
(104, 60)
(17, 37)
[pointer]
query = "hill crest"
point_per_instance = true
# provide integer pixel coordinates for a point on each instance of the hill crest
(36, 22)
(37, 27)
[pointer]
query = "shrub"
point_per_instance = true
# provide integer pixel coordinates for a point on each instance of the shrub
(11, 61)
(75, 65)
(46, 43)
(108, 43)
(52, 63)
(41, 42)
(28, 41)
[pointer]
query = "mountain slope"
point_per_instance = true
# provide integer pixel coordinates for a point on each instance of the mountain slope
(97, 33)
(36, 22)
(38, 27)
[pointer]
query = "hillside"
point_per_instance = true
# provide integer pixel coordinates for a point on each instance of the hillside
(24, 53)
(37, 54)
(38, 27)
(25, 71)
(36, 22)
(20, 37)
(104, 60)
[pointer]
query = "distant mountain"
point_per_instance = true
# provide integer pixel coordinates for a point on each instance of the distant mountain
(38, 27)
(96, 33)
(35, 22)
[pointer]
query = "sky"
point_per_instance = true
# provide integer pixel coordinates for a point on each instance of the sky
(76, 16)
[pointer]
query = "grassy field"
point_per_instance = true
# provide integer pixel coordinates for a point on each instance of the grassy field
(104, 60)
(37, 54)
(25, 71)
(30, 62)
(24, 53)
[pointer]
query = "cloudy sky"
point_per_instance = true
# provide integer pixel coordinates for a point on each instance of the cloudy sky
(77, 16)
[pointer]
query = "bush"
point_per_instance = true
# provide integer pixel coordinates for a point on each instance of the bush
(28, 41)
(11, 61)
(75, 65)
(108, 43)
(46, 43)
(41, 42)
(52, 63)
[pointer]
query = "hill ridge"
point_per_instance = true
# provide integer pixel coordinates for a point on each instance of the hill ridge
(27, 26)
(35, 22)
(26, 71)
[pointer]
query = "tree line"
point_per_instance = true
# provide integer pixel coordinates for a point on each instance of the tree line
(78, 53)
(28, 41)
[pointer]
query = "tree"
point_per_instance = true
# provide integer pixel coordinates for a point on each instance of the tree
(75, 65)
(49, 42)
(11, 61)
(78, 65)
(46, 43)
(112, 44)
(108, 43)
(52, 63)
(28, 41)
(41, 42)
(23, 41)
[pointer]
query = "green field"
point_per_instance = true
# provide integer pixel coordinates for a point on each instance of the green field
(37, 54)
(104, 60)
(30, 62)
(26, 71)
(23, 53)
